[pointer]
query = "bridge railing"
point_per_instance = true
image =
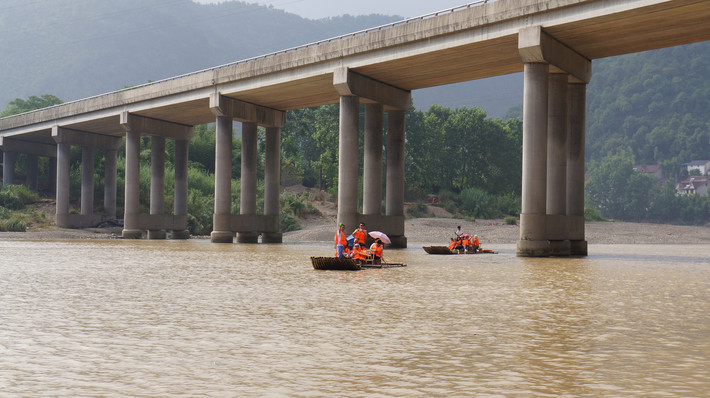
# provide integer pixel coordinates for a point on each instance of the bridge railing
(288, 50)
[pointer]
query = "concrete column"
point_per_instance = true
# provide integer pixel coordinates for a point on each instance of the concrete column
(33, 171)
(87, 181)
(247, 202)
(157, 183)
(348, 161)
(556, 192)
(575, 167)
(131, 214)
(394, 201)
(272, 181)
(53, 175)
(180, 199)
(63, 159)
(110, 177)
(221, 221)
(372, 170)
(533, 240)
(8, 169)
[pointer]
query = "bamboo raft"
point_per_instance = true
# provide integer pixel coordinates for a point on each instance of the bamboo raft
(347, 264)
(445, 250)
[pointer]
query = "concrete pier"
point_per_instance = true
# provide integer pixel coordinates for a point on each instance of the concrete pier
(272, 179)
(247, 202)
(394, 202)
(87, 181)
(180, 196)
(110, 182)
(575, 167)
(372, 169)
(131, 223)
(221, 230)
(556, 194)
(8, 169)
(157, 183)
(348, 162)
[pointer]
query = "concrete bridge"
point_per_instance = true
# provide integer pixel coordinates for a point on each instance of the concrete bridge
(551, 41)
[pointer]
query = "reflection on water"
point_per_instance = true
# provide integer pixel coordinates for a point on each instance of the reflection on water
(145, 318)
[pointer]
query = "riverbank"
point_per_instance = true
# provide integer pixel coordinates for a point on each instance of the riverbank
(435, 231)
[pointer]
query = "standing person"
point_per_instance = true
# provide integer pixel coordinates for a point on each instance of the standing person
(459, 232)
(340, 240)
(476, 244)
(376, 250)
(360, 233)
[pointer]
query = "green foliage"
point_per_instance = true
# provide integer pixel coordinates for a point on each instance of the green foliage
(15, 197)
(33, 102)
(453, 150)
(654, 103)
(617, 191)
(418, 209)
(510, 220)
(591, 214)
(12, 225)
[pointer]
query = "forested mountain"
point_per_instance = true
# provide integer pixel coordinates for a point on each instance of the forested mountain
(78, 48)
(655, 105)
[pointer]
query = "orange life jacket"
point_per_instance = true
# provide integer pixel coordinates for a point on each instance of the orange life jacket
(340, 238)
(377, 249)
(475, 242)
(452, 245)
(360, 235)
(359, 253)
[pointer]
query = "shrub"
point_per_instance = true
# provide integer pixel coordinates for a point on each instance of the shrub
(15, 197)
(479, 203)
(418, 209)
(591, 214)
(510, 220)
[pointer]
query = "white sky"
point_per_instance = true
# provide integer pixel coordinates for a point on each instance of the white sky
(315, 9)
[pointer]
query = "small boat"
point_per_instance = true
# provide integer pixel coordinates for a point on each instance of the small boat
(347, 264)
(445, 250)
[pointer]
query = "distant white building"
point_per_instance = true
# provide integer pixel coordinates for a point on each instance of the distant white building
(701, 165)
(693, 186)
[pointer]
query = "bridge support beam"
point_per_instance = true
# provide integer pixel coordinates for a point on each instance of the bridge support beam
(8, 167)
(552, 215)
(180, 199)
(156, 223)
(157, 183)
(576, 95)
(272, 182)
(247, 225)
(247, 201)
(372, 169)
(89, 142)
(11, 147)
(377, 96)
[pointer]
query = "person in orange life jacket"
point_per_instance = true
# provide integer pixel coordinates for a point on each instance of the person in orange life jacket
(360, 233)
(359, 253)
(376, 250)
(476, 244)
(452, 245)
(340, 240)
(466, 244)
(459, 244)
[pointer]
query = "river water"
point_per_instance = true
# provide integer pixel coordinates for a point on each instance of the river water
(113, 318)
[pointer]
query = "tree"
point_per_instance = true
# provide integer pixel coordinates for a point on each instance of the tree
(617, 191)
(21, 106)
